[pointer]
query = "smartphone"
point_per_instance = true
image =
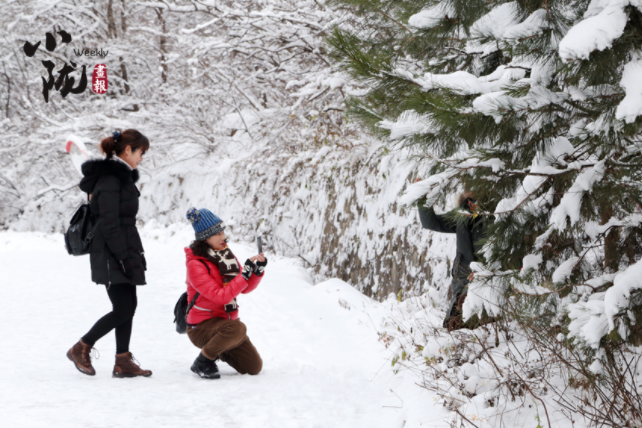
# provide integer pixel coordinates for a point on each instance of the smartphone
(259, 244)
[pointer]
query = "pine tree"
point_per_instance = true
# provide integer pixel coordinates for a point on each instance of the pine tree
(535, 108)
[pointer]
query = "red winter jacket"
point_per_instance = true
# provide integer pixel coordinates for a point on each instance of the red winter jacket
(214, 296)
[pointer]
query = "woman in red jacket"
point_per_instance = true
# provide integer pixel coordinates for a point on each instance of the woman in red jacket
(216, 275)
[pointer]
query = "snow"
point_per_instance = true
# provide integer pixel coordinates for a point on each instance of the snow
(310, 205)
(535, 23)
(530, 185)
(429, 18)
(617, 298)
(490, 103)
(595, 32)
(531, 261)
(335, 82)
(569, 206)
(631, 106)
(542, 164)
(459, 81)
(495, 22)
(297, 173)
(492, 25)
(463, 82)
(430, 187)
(588, 320)
(485, 294)
(409, 123)
(565, 269)
(322, 359)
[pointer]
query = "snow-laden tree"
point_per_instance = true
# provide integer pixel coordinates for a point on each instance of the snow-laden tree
(197, 77)
(535, 108)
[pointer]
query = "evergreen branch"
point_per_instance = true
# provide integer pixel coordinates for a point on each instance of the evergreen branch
(626, 165)
(566, 287)
(408, 40)
(395, 21)
(462, 51)
(508, 211)
(507, 173)
(599, 237)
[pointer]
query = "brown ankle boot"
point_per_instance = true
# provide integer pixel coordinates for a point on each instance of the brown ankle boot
(79, 355)
(126, 366)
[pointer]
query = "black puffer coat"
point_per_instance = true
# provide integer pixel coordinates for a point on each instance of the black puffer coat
(469, 236)
(114, 202)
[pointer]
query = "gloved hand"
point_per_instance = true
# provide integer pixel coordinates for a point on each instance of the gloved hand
(248, 267)
(260, 267)
(127, 267)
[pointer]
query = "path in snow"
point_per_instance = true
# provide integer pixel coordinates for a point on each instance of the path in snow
(322, 368)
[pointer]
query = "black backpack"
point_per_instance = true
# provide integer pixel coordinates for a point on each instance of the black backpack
(80, 232)
(182, 308)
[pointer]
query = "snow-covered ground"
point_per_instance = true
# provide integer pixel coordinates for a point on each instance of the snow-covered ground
(323, 363)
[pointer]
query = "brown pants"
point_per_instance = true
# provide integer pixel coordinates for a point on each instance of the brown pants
(227, 339)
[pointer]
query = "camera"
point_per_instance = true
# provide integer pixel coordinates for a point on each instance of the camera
(231, 307)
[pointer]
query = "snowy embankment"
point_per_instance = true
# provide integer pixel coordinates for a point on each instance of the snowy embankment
(324, 362)
(335, 209)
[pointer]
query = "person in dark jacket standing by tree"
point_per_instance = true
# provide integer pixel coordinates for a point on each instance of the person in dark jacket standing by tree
(470, 232)
(117, 257)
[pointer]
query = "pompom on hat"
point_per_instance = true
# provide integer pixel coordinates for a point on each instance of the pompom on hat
(205, 223)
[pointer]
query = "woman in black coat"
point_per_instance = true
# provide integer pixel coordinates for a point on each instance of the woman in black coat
(470, 234)
(117, 256)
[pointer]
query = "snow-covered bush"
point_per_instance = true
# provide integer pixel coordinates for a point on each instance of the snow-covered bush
(502, 374)
(535, 109)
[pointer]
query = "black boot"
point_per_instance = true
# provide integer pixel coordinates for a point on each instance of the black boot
(205, 368)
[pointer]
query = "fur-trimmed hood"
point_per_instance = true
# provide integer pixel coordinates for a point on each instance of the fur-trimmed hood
(461, 198)
(95, 168)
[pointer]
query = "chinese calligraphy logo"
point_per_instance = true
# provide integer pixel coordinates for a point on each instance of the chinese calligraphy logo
(64, 83)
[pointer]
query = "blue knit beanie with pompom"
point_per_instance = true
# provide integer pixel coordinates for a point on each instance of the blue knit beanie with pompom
(205, 223)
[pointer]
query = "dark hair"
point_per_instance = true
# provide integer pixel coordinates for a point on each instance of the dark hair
(117, 143)
(199, 248)
(202, 249)
(462, 199)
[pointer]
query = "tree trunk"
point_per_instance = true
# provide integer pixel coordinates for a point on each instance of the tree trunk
(611, 260)
(123, 67)
(163, 45)
(111, 22)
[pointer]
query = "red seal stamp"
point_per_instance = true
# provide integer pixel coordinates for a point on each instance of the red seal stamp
(99, 79)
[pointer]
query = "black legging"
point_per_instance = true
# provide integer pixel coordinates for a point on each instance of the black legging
(124, 301)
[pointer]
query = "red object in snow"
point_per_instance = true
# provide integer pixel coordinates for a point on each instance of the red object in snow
(214, 294)
(99, 79)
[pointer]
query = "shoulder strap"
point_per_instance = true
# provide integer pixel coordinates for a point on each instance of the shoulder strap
(193, 302)
(91, 235)
(206, 266)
